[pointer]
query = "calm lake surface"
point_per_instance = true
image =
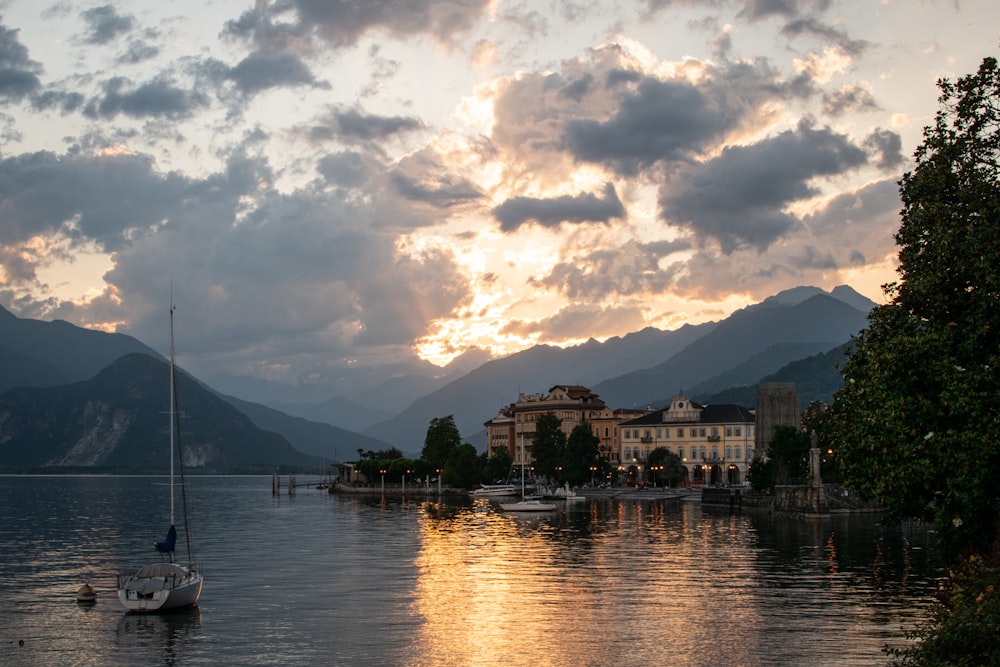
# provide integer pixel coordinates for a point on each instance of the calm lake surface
(342, 580)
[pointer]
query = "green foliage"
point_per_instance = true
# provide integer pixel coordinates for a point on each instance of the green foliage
(666, 466)
(582, 452)
(762, 473)
(789, 449)
(441, 440)
(787, 460)
(962, 630)
(462, 467)
(915, 421)
(497, 466)
(817, 418)
(549, 447)
(371, 464)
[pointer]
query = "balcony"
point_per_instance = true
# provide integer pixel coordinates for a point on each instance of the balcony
(646, 439)
(714, 438)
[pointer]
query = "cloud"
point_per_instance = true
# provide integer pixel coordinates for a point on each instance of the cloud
(632, 269)
(580, 320)
(105, 24)
(740, 197)
(353, 126)
(18, 72)
(101, 199)
(553, 212)
(675, 120)
(343, 24)
(158, 98)
(886, 147)
(851, 97)
(262, 70)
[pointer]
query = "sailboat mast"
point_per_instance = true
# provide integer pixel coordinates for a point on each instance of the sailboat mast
(173, 409)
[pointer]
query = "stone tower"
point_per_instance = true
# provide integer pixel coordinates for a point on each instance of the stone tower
(777, 405)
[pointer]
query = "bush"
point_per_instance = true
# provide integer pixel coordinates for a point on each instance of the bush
(964, 628)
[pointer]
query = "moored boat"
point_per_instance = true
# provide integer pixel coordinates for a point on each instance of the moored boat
(494, 490)
(165, 585)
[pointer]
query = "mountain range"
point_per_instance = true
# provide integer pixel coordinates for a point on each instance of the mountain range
(76, 398)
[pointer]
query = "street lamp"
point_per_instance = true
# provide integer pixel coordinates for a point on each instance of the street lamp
(438, 471)
(383, 480)
(593, 470)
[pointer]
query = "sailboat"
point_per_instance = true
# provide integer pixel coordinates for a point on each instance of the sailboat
(526, 504)
(165, 585)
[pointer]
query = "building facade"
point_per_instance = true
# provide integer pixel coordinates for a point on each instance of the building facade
(715, 443)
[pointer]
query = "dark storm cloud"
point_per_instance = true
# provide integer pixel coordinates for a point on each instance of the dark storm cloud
(105, 24)
(159, 98)
(103, 197)
(739, 197)
(18, 72)
(633, 268)
(552, 212)
(676, 120)
(263, 70)
(886, 146)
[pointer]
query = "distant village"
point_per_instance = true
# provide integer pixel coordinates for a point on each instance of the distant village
(715, 443)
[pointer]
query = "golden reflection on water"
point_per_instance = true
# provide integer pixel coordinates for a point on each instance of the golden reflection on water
(536, 591)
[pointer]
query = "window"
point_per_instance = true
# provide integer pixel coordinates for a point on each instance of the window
(628, 453)
(666, 433)
(605, 431)
(680, 432)
(736, 452)
(701, 431)
(736, 431)
(649, 433)
(659, 433)
(680, 452)
(729, 452)
(715, 430)
(729, 431)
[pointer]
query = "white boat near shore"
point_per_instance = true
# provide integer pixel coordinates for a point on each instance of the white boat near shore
(494, 490)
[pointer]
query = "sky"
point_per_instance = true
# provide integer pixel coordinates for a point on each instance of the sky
(320, 185)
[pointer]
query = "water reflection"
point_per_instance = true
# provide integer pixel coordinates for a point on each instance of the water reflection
(619, 581)
(157, 638)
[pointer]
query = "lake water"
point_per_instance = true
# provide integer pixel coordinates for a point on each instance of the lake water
(327, 579)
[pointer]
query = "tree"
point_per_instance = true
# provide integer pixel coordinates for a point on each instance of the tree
(787, 459)
(462, 467)
(498, 466)
(915, 422)
(441, 440)
(549, 446)
(582, 453)
(666, 465)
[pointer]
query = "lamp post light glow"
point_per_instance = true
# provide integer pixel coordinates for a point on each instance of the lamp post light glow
(382, 471)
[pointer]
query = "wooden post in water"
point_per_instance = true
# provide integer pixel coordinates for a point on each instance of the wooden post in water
(275, 484)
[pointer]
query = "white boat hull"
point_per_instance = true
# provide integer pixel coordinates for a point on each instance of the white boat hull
(159, 587)
(528, 506)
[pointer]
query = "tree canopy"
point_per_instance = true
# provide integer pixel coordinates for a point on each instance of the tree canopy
(441, 440)
(915, 422)
(549, 446)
